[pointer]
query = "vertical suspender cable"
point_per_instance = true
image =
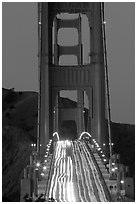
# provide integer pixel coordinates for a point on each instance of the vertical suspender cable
(107, 81)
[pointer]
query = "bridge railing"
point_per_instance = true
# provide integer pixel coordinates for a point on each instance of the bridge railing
(107, 193)
(49, 176)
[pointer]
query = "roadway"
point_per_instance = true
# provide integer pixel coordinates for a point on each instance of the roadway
(74, 175)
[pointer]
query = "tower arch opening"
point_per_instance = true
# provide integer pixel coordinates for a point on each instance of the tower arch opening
(68, 130)
(69, 30)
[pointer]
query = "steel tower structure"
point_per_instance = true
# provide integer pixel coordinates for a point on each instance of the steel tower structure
(82, 77)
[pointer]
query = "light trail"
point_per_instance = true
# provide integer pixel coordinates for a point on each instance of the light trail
(75, 178)
(56, 133)
(83, 189)
(83, 134)
(96, 176)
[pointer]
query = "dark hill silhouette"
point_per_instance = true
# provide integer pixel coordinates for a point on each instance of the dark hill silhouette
(19, 120)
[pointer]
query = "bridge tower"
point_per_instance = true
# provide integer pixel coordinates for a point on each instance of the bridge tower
(85, 77)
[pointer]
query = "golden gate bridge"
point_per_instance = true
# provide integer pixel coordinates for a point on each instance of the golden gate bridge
(82, 169)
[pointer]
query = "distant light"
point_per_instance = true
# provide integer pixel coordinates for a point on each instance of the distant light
(45, 156)
(103, 155)
(104, 144)
(83, 111)
(44, 167)
(32, 145)
(40, 145)
(104, 22)
(45, 160)
(104, 160)
(113, 169)
(99, 149)
(54, 111)
(37, 164)
(116, 168)
(39, 22)
(112, 144)
(121, 181)
(68, 143)
(113, 163)
(42, 174)
(101, 152)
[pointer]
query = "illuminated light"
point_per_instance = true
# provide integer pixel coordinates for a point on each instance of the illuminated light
(113, 163)
(99, 149)
(101, 152)
(36, 169)
(39, 22)
(45, 160)
(37, 164)
(104, 160)
(83, 134)
(83, 111)
(68, 143)
(113, 169)
(40, 145)
(45, 156)
(104, 22)
(104, 144)
(55, 133)
(121, 181)
(116, 168)
(44, 167)
(42, 174)
(112, 144)
(32, 145)
(103, 155)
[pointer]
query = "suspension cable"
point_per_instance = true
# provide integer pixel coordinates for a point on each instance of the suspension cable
(107, 80)
(39, 75)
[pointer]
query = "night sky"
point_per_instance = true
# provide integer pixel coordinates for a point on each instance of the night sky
(20, 62)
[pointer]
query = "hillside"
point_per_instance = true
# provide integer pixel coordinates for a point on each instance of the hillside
(123, 136)
(15, 156)
(19, 121)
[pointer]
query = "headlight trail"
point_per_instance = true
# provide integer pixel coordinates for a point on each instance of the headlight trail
(75, 178)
